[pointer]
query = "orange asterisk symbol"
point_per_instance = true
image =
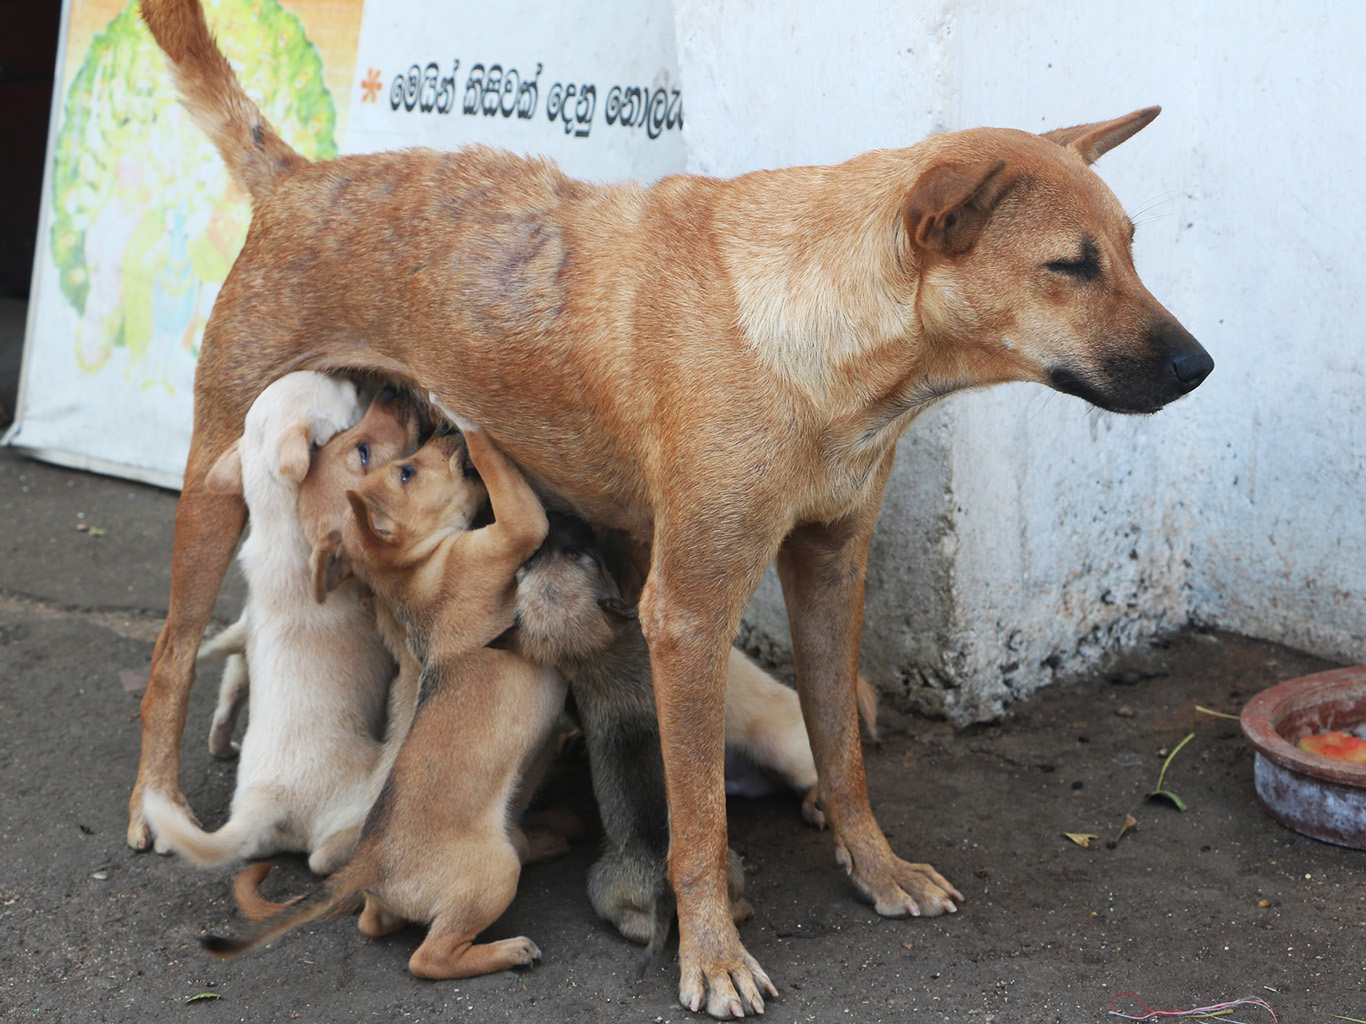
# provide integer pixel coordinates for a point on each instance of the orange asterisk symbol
(371, 86)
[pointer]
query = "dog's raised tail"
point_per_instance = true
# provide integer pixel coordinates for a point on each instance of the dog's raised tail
(330, 899)
(257, 158)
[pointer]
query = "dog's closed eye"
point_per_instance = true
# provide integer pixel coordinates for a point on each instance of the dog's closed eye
(1085, 267)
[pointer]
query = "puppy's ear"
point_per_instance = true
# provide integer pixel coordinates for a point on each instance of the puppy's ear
(376, 525)
(1092, 141)
(951, 204)
(329, 566)
(294, 453)
(225, 475)
(616, 606)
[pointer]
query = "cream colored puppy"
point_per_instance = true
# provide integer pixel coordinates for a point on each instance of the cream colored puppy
(319, 672)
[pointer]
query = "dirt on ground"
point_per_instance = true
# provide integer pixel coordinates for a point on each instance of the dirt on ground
(1185, 908)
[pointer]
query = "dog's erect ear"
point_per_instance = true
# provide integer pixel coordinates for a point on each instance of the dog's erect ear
(616, 606)
(225, 475)
(329, 565)
(294, 453)
(375, 524)
(1092, 141)
(952, 203)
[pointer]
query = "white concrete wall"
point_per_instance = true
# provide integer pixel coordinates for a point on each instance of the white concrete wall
(1026, 535)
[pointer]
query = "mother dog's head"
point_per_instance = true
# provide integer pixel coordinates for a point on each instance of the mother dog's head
(1025, 261)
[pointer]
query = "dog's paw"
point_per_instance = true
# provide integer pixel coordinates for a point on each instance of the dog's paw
(139, 833)
(522, 950)
(811, 810)
(221, 743)
(899, 888)
(718, 974)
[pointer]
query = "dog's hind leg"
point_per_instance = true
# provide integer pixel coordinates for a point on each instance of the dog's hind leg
(455, 955)
(484, 884)
(232, 694)
(822, 570)
(207, 526)
(377, 920)
(229, 645)
(333, 851)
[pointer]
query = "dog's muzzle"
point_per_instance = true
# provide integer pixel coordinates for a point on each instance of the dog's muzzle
(1166, 364)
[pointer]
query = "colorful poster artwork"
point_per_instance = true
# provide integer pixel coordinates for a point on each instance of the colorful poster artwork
(141, 223)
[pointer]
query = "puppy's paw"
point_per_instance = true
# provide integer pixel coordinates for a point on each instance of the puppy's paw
(811, 811)
(522, 951)
(221, 743)
(898, 888)
(556, 819)
(540, 844)
(464, 425)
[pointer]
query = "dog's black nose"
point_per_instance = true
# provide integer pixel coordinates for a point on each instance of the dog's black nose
(1190, 367)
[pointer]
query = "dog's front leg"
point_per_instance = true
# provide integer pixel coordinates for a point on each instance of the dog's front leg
(689, 615)
(207, 526)
(822, 570)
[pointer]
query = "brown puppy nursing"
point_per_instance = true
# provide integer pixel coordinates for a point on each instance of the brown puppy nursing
(437, 847)
(718, 369)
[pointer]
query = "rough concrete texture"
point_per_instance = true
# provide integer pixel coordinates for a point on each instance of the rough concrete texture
(1186, 909)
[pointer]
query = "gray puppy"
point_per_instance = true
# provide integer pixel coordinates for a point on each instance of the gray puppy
(570, 615)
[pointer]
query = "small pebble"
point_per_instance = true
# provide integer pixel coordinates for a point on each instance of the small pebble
(1124, 711)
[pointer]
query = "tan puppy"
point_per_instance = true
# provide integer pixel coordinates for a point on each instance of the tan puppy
(437, 847)
(388, 430)
(314, 754)
(718, 369)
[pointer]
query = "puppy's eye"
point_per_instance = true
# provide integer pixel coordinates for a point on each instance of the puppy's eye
(406, 472)
(363, 450)
(1085, 267)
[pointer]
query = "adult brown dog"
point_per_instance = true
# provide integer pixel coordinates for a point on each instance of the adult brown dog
(720, 369)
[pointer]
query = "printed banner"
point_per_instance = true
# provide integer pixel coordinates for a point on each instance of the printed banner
(140, 222)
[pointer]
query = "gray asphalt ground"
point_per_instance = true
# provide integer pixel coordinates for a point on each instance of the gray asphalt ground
(1186, 909)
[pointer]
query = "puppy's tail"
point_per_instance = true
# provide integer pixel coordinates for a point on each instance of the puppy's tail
(172, 825)
(257, 158)
(245, 889)
(332, 898)
(661, 923)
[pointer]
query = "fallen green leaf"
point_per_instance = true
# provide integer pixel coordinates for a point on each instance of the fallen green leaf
(1217, 714)
(203, 997)
(1080, 838)
(1158, 792)
(1166, 794)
